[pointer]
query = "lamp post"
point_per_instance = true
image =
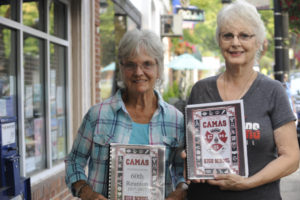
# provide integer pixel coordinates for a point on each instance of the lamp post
(281, 37)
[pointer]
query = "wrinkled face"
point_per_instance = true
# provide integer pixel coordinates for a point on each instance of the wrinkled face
(238, 44)
(139, 73)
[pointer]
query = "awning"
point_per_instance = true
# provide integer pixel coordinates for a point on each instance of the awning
(130, 10)
(187, 62)
(110, 67)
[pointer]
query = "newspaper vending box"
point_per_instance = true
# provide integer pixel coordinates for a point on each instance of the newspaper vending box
(12, 185)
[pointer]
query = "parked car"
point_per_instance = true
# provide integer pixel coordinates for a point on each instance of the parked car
(294, 80)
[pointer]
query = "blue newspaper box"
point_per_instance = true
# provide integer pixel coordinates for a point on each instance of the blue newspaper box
(12, 185)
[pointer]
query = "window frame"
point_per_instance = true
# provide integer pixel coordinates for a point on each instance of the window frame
(47, 39)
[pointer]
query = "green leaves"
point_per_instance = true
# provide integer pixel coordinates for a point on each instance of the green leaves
(292, 7)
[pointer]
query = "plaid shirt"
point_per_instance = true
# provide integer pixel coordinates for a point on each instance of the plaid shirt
(109, 122)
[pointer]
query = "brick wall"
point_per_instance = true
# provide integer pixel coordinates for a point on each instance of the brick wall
(97, 52)
(53, 188)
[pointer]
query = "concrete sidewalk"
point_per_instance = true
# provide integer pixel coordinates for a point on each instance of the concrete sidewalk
(290, 186)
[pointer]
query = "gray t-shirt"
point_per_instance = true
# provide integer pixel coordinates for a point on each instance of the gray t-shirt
(266, 109)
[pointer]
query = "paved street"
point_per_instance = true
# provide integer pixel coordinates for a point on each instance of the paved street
(290, 186)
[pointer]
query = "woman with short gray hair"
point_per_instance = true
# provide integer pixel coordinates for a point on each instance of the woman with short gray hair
(136, 114)
(134, 42)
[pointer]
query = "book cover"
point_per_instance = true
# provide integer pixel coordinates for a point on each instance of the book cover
(137, 172)
(216, 139)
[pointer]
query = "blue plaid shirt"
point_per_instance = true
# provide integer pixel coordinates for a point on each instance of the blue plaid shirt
(109, 122)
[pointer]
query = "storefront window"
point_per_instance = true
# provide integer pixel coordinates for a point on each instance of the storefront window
(57, 101)
(57, 19)
(33, 79)
(7, 72)
(34, 109)
(33, 14)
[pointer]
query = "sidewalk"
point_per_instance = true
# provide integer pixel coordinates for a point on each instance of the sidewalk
(290, 186)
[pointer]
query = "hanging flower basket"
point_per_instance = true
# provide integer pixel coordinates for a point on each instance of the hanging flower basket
(292, 7)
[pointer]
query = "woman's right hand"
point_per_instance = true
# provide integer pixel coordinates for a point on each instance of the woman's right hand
(88, 194)
(183, 156)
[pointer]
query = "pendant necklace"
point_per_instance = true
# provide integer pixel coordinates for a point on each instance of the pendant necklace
(243, 89)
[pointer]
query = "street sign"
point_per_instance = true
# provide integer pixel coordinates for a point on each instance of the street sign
(190, 13)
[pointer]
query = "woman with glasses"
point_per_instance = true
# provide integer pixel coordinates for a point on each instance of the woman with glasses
(272, 146)
(136, 114)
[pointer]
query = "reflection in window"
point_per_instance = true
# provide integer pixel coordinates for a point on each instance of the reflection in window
(7, 72)
(8, 9)
(58, 19)
(57, 101)
(34, 109)
(33, 14)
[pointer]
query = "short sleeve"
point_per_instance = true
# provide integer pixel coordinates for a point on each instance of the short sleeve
(281, 109)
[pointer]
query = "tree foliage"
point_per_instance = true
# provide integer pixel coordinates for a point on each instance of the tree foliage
(107, 35)
(203, 34)
(292, 7)
(31, 14)
(172, 92)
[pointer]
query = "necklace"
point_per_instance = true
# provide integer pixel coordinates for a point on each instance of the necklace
(243, 89)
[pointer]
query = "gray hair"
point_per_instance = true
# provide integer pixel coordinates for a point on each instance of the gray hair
(135, 41)
(245, 12)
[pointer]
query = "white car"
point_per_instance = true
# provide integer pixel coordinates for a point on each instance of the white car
(295, 92)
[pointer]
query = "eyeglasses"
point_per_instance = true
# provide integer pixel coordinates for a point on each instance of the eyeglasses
(145, 66)
(243, 37)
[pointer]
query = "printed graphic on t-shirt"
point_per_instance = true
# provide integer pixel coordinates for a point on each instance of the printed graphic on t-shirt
(252, 132)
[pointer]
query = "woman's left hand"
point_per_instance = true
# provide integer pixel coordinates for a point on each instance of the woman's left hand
(229, 182)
